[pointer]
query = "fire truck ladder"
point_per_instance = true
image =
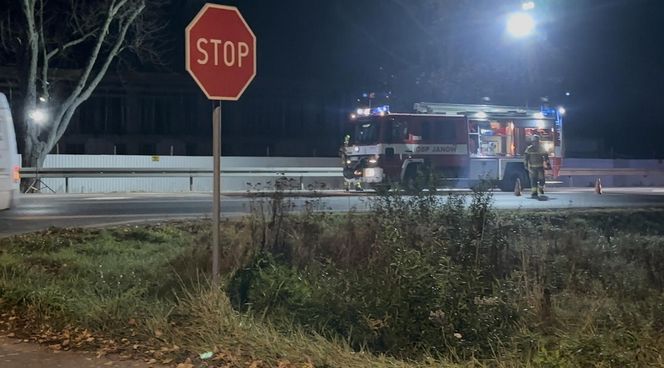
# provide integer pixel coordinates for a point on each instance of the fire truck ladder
(470, 110)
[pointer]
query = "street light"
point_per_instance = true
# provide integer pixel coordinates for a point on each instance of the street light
(520, 24)
(38, 115)
(561, 110)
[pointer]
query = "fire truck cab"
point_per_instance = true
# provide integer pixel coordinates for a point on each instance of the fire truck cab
(466, 143)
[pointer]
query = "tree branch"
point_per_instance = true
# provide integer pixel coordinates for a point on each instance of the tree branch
(83, 80)
(42, 41)
(117, 46)
(33, 48)
(69, 44)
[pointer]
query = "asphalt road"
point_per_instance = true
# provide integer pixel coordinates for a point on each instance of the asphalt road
(36, 212)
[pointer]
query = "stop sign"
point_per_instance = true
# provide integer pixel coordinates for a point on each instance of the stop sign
(220, 52)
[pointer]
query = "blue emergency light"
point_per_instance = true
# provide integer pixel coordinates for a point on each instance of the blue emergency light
(380, 110)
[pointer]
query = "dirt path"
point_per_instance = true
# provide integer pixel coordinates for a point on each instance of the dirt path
(15, 354)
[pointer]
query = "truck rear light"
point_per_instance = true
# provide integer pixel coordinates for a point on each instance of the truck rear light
(16, 174)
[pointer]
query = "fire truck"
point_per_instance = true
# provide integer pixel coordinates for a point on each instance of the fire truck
(465, 143)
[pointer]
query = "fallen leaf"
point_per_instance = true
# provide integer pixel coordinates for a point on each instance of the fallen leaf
(55, 347)
(185, 365)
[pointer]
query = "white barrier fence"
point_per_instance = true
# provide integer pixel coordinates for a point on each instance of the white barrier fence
(613, 173)
(159, 174)
(151, 173)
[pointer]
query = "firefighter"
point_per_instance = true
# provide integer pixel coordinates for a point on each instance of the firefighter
(348, 169)
(536, 160)
(342, 149)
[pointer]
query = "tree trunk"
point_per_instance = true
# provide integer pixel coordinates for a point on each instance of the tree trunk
(37, 137)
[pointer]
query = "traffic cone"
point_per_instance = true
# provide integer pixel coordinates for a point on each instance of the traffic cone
(598, 186)
(517, 187)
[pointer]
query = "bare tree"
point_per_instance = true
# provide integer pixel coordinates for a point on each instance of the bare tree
(62, 50)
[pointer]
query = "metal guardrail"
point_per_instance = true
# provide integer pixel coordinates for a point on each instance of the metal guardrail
(178, 172)
(67, 173)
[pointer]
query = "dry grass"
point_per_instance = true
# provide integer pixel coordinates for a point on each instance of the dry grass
(588, 294)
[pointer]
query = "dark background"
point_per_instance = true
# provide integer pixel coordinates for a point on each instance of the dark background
(317, 58)
(609, 55)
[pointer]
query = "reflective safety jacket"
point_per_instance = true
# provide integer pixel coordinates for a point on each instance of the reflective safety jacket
(535, 158)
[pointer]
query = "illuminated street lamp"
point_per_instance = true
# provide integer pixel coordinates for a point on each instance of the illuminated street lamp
(520, 24)
(561, 110)
(39, 116)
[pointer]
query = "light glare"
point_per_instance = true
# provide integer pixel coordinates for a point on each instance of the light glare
(39, 116)
(561, 110)
(520, 24)
(528, 5)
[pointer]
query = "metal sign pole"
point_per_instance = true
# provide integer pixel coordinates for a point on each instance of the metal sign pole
(216, 190)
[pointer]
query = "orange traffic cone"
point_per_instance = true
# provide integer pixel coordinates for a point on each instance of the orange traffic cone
(598, 186)
(517, 187)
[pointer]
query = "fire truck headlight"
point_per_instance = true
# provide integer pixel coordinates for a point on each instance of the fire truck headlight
(358, 173)
(373, 160)
(348, 162)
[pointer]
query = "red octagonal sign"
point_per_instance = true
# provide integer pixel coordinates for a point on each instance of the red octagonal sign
(221, 52)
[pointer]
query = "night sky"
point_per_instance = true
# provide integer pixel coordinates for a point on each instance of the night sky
(608, 54)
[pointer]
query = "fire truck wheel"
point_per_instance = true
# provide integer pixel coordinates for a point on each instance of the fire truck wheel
(381, 188)
(410, 179)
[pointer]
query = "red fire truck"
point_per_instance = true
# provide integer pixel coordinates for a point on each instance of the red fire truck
(466, 143)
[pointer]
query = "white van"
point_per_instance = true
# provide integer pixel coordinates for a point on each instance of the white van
(9, 159)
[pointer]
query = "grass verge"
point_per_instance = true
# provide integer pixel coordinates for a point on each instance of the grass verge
(420, 281)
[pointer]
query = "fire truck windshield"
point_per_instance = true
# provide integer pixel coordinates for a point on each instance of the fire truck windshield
(366, 133)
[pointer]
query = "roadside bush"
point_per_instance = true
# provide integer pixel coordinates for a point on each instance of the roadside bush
(419, 276)
(442, 280)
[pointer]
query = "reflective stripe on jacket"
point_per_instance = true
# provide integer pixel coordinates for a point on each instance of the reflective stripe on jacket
(535, 157)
